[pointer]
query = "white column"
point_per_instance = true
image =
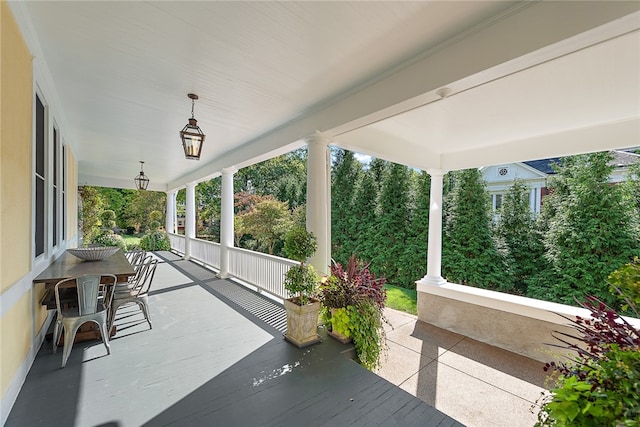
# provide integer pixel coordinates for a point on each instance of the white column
(319, 200)
(170, 219)
(190, 219)
(226, 221)
(434, 249)
(532, 200)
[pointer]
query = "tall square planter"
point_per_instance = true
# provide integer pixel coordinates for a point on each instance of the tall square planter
(302, 323)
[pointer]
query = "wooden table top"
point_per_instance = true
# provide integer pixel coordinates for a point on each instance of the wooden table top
(67, 266)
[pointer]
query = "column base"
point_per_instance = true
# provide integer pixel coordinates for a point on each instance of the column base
(432, 280)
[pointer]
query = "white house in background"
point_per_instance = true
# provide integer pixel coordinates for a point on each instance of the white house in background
(499, 178)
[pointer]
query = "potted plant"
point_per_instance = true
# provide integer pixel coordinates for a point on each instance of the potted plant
(353, 300)
(301, 282)
(600, 385)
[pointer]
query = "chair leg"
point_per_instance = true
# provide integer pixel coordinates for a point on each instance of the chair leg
(112, 315)
(69, 337)
(57, 330)
(145, 310)
(105, 335)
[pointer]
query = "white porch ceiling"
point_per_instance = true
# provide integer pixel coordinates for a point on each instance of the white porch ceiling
(528, 80)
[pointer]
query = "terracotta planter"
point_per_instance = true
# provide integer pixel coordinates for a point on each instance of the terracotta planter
(302, 323)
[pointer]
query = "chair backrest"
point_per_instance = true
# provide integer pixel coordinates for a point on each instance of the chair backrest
(135, 257)
(94, 291)
(146, 273)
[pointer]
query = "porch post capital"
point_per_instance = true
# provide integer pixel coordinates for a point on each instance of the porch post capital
(318, 138)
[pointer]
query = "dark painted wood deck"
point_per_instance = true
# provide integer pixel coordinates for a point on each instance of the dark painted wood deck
(215, 357)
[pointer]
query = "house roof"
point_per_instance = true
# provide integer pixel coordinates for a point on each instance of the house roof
(620, 159)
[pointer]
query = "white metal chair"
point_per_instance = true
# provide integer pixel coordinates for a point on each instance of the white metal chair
(135, 257)
(136, 290)
(95, 293)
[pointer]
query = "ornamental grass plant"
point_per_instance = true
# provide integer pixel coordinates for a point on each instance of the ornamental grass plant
(357, 298)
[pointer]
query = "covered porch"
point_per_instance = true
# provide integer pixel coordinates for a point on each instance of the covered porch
(216, 356)
(91, 88)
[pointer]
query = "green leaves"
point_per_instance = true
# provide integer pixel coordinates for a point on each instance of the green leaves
(301, 281)
(608, 396)
(470, 255)
(590, 229)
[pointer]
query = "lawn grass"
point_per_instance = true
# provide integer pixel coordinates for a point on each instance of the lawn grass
(131, 240)
(401, 299)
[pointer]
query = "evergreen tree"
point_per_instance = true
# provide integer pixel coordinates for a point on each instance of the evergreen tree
(519, 238)
(591, 231)
(362, 222)
(346, 176)
(413, 265)
(393, 222)
(470, 256)
(378, 168)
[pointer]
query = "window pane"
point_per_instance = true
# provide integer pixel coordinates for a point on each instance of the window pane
(55, 187)
(40, 137)
(498, 201)
(40, 217)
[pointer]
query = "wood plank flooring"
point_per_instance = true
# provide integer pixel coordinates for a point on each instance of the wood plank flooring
(215, 357)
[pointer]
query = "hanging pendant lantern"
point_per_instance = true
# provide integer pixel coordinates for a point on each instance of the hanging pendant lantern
(191, 135)
(142, 181)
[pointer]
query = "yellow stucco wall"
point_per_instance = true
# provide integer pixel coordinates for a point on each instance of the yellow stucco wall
(16, 93)
(14, 341)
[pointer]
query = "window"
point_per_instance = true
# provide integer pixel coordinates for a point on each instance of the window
(64, 192)
(40, 214)
(496, 202)
(54, 210)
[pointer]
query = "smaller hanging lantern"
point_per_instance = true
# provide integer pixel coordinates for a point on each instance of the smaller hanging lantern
(191, 135)
(142, 181)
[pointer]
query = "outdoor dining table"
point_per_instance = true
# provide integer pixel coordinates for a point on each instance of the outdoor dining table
(68, 266)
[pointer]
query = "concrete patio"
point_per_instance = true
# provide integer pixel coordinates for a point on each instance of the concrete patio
(475, 383)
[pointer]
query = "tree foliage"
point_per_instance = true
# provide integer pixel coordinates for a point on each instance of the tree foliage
(362, 221)
(345, 178)
(267, 222)
(141, 205)
(392, 225)
(414, 259)
(92, 206)
(470, 256)
(518, 237)
(592, 231)
(284, 177)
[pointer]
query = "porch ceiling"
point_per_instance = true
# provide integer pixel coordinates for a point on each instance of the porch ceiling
(528, 80)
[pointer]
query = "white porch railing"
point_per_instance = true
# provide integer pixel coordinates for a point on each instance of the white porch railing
(265, 272)
(261, 270)
(177, 242)
(206, 252)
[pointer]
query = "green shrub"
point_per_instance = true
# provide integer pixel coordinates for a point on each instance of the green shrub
(155, 241)
(609, 395)
(300, 244)
(301, 281)
(109, 238)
